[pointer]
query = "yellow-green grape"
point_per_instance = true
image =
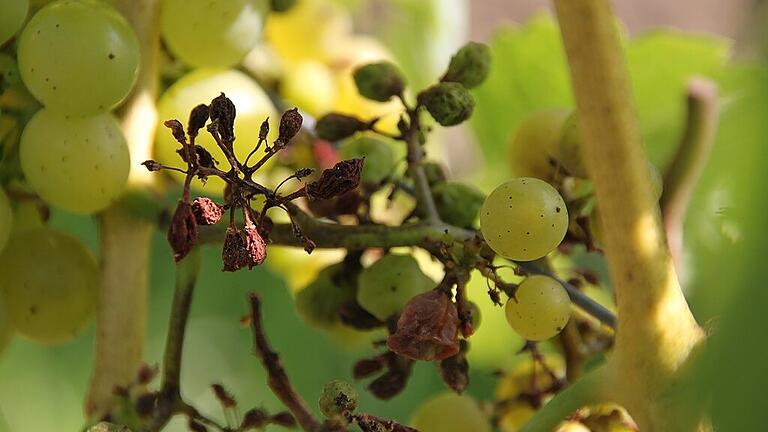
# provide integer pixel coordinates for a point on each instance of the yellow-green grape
(515, 416)
(570, 148)
(450, 412)
(337, 397)
(311, 86)
(12, 16)
(540, 309)
(387, 285)
(205, 33)
(536, 144)
(201, 86)
(524, 219)
(50, 284)
(308, 31)
(79, 164)
(6, 219)
(6, 330)
(572, 426)
(78, 56)
(458, 203)
(320, 301)
(379, 157)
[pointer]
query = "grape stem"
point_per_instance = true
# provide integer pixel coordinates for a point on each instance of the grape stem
(690, 159)
(412, 138)
(125, 238)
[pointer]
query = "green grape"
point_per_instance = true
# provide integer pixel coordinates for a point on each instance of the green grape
(12, 16)
(379, 157)
(320, 301)
(79, 164)
(337, 397)
(536, 144)
(311, 86)
(78, 56)
(6, 219)
(212, 33)
(524, 219)
(50, 284)
(458, 203)
(201, 86)
(570, 148)
(388, 284)
(450, 412)
(6, 330)
(540, 309)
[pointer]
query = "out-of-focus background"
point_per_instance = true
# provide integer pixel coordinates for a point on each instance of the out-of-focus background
(42, 388)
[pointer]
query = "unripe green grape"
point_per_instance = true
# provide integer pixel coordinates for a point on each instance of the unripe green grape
(458, 203)
(450, 412)
(337, 397)
(470, 65)
(12, 16)
(448, 103)
(540, 309)
(78, 56)
(379, 82)
(50, 284)
(6, 219)
(388, 284)
(204, 33)
(524, 219)
(536, 144)
(6, 330)
(570, 148)
(79, 164)
(319, 302)
(311, 86)
(201, 86)
(379, 157)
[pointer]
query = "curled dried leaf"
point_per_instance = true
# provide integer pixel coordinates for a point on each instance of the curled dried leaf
(427, 328)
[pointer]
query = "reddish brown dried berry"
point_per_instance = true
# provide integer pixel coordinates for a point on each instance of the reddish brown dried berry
(223, 112)
(253, 419)
(177, 129)
(455, 369)
(427, 328)
(182, 234)
(204, 158)
(284, 419)
(367, 367)
(389, 384)
(256, 248)
(206, 211)
(243, 248)
(290, 125)
(342, 178)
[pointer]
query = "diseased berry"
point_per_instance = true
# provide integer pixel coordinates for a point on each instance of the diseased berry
(379, 81)
(448, 103)
(470, 65)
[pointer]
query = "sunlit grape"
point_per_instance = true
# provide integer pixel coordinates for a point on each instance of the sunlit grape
(12, 16)
(50, 284)
(524, 219)
(450, 412)
(534, 150)
(540, 308)
(6, 219)
(79, 164)
(78, 56)
(386, 286)
(311, 86)
(212, 33)
(201, 86)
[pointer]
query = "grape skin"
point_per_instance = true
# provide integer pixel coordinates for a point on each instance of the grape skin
(537, 143)
(6, 219)
(78, 56)
(540, 309)
(203, 33)
(387, 285)
(311, 86)
(450, 412)
(12, 16)
(50, 284)
(524, 219)
(79, 164)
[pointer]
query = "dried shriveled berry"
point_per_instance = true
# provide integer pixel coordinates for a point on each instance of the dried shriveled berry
(243, 248)
(290, 125)
(427, 328)
(336, 181)
(206, 211)
(177, 129)
(448, 103)
(198, 117)
(223, 112)
(334, 126)
(182, 233)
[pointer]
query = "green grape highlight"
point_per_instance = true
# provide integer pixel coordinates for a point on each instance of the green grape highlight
(204, 33)
(540, 309)
(311, 86)
(524, 219)
(388, 284)
(78, 56)
(12, 16)
(50, 284)
(6, 330)
(201, 86)
(79, 164)
(450, 412)
(534, 150)
(6, 219)
(379, 157)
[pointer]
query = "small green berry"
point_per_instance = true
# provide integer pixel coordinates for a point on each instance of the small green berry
(448, 103)
(378, 154)
(337, 397)
(319, 302)
(470, 65)
(334, 127)
(387, 285)
(379, 81)
(458, 203)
